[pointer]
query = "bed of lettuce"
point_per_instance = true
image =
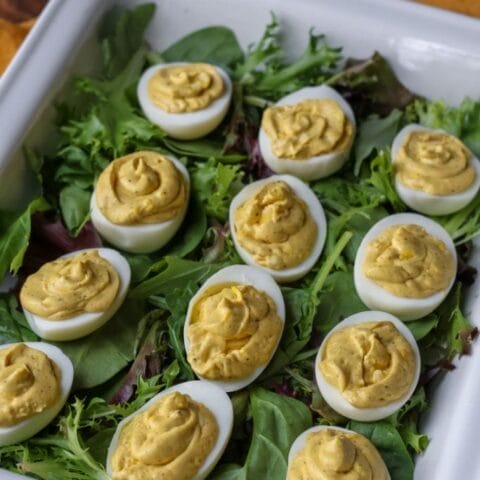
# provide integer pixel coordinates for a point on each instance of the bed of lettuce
(140, 351)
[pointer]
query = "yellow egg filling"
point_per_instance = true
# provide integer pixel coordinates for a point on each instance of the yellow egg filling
(29, 384)
(141, 188)
(435, 163)
(276, 227)
(371, 364)
(169, 440)
(408, 262)
(65, 288)
(331, 454)
(233, 330)
(185, 88)
(307, 129)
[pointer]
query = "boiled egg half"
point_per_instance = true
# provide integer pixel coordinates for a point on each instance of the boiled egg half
(233, 326)
(186, 100)
(184, 429)
(405, 265)
(140, 201)
(335, 452)
(309, 133)
(278, 224)
(76, 294)
(435, 173)
(28, 377)
(368, 366)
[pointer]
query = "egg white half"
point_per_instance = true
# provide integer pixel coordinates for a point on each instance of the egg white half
(144, 238)
(319, 166)
(428, 203)
(334, 397)
(30, 426)
(375, 296)
(85, 323)
(212, 397)
(301, 440)
(242, 275)
(188, 125)
(303, 191)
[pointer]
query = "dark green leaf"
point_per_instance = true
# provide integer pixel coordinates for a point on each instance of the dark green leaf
(277, 421)
(215, 45)
(15, 238)
(99, 356)
(192, 232)
(13, 324)
(75, 207)
(338, 300)
(375, 134)
(421, 328)
(390, 445)
(175, 273)
(121, 36)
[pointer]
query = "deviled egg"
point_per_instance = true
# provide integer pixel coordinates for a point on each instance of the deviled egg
(233, 326)
(308, 133)
(76, 294)
(435, 173)
(186, 100)
(406, 265)
(180, 433)
(324, 452)
(368, 366)
(35, 381)
(278, 224)
(140, 201)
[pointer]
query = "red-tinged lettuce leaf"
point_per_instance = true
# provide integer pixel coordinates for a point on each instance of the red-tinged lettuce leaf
(50, 239)
(371, 86)
(151, 352)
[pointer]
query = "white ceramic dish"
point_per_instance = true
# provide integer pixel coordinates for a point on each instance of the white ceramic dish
(433, 52)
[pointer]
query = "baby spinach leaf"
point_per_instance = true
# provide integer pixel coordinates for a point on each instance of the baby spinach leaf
(338, 300)
(217, 45)
(122, 34)
(390, 445)
(13, 324)
(277, 421)
(15, 238)
(192, 231)
(375, 133)
(421, 328)
(175, 273)
(75, 207)
(99, 356)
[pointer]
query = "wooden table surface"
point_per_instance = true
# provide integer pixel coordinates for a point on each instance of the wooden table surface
(467, 7)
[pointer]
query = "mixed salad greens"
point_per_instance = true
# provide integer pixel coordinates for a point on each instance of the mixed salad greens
(140, 351)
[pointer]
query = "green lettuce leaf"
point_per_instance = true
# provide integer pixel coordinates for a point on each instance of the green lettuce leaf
(215, 45)
(390, 444)
(16, 236)
(215, 185)
(277, 421)
(13, 324)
